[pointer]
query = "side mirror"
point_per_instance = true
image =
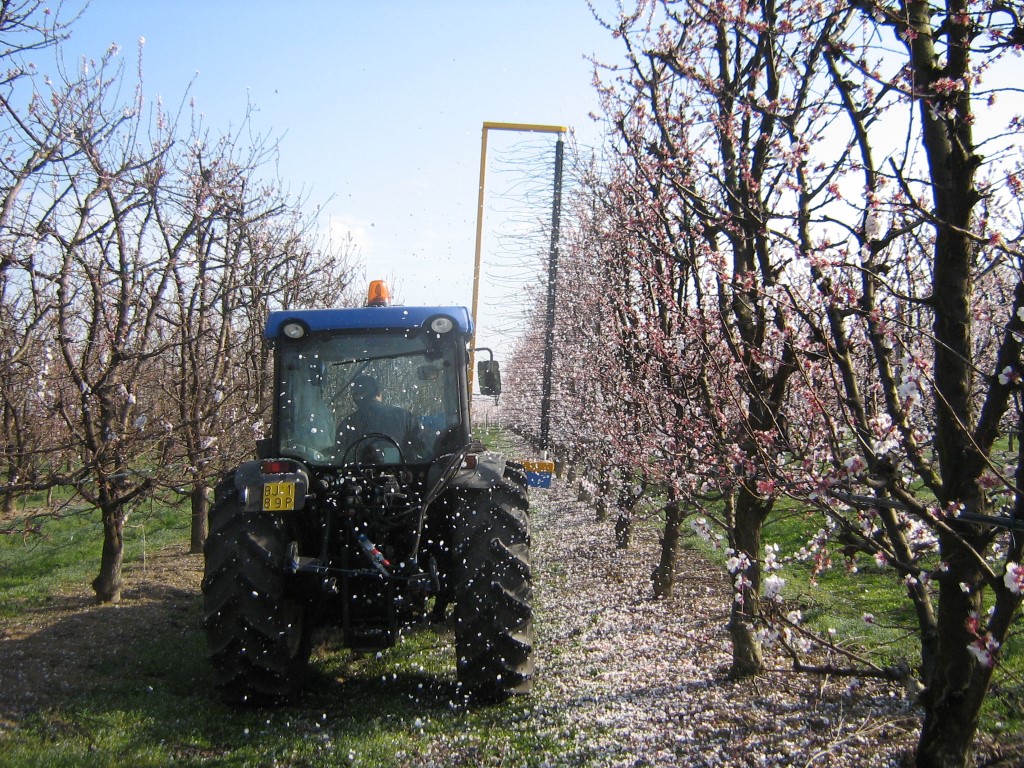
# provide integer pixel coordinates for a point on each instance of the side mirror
(489, 375)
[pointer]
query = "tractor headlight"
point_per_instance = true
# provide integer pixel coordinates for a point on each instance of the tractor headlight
(442, 324)
(293, 330)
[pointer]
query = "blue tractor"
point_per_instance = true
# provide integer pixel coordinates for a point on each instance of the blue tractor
(370, 507)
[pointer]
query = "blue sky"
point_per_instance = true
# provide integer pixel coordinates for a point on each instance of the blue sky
(379, 104)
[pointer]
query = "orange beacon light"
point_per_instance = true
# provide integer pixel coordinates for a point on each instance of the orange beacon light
(378, 295)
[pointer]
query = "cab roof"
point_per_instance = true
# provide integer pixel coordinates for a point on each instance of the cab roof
(371, 318)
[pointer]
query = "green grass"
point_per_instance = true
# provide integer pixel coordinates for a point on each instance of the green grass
(837, 599)
(834, 598)
(496, 439)
(145, 697)
(371, 710)
(65, 551)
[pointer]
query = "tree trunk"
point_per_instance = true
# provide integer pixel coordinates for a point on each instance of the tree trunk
(747, 656)
(623, 529)
(200, 498)
(946, 739)
(665, 573)
(603, 487)
(107, 585)
(956, 688)
(957, 685)
(584, 494)
(11, 474)
(628, 499)
(601, 508)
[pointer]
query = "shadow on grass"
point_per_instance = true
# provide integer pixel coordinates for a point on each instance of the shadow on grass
(130, 685)
(71, 647)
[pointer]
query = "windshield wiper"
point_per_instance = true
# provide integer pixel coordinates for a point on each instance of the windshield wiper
(395, 356)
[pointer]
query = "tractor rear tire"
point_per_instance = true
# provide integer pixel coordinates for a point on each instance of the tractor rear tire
(494, 591)
(257, 636)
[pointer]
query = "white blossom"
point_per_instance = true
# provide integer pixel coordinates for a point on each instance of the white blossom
(873, 225)
(773, 588)
(1014, 578)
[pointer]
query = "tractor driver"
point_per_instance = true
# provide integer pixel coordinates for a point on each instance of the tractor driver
(373, 416)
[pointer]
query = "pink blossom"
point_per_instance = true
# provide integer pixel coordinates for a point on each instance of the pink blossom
(1014, 578)
(989, 480)
(984, 649)
(973, 623)
(945, 85)
(854, 465)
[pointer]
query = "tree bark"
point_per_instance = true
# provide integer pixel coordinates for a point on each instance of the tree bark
(583, 494)
(107, 585)
(628, 499)
(956, 688)
(601, 499)
(665, 572)
(747, 655)
(958, 683)
(200, 499)
(623, 529)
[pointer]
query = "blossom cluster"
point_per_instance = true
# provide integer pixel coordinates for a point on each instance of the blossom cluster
(701, 527)
(985, 649)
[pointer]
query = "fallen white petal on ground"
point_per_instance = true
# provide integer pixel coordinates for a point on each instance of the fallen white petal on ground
(635, 681)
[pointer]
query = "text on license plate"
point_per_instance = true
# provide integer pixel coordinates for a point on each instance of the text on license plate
(278, 496)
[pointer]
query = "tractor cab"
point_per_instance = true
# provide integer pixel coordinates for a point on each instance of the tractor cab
(373, 385)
